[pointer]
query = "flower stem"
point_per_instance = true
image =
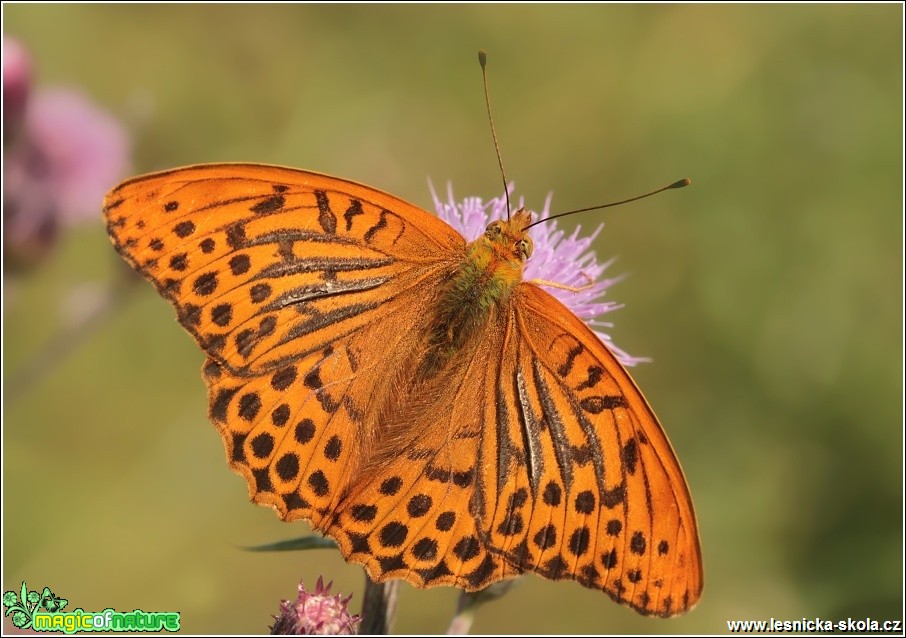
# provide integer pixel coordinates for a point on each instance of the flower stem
(469, 602)
(378, 606)
(59, 346)
(465, 616)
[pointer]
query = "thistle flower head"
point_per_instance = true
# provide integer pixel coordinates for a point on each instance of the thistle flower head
(557, 257)
(16, 83)
(316, 613)
(61, 153)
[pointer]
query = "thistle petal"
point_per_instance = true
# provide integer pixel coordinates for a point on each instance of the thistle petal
(316, 613)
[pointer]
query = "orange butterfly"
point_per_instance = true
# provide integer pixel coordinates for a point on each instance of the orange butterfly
(405, 391)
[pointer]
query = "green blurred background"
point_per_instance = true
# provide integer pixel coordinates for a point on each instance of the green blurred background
(769, 294)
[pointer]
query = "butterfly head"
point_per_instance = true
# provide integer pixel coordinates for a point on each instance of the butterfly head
(498, 256)
(508, 238)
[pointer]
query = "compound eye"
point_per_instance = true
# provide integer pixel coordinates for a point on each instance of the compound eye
(494, 229)
(524, 247)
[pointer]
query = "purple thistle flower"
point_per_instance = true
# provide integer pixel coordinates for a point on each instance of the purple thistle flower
(16, 83)
(61, 153)
(558, 257)
(316, 613)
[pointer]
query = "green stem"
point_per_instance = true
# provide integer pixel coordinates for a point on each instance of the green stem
(464, 617)
(59, 346)
(378, 606)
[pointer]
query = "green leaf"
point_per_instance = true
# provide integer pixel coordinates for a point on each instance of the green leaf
(295, 544)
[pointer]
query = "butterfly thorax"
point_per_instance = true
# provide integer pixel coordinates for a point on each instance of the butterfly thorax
(478, 290)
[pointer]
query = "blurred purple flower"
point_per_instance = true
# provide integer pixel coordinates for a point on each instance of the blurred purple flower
(61, 152)
(557, 257)
(316, 613)
(16, 82)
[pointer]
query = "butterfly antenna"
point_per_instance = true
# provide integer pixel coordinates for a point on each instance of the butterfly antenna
(483, 61)
(683, 182)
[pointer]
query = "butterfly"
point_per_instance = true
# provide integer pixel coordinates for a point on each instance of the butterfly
(405, 391)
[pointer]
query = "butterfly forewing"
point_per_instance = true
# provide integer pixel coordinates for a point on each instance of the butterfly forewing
(265, 264)
(613, 511)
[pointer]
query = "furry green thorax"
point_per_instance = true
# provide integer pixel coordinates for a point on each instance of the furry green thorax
(479, 288)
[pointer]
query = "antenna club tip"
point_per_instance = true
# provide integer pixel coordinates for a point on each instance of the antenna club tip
(683, 182)
(482, 58)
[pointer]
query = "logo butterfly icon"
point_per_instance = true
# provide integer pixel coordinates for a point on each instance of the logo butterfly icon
(407, 392)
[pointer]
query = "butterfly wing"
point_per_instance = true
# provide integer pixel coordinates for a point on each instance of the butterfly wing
(413, 516)
(263, 262)
(287, 279)
(580, 481)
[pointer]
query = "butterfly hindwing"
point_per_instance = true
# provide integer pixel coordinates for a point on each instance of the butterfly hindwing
(414, 516)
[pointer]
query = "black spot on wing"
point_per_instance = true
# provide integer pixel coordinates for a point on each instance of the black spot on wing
(355, 209)
(391, 486)
(597, 404)
(287, 466)
(294, 501)
(382, 224)
(363, 513)
(637, 545)
(483, 572)
(579, 541)
(326, 219)
(546, 537)
(433, 573)
(630, 455)
(184, 229)
(595, 374)
(179, 262)
(269, 205)
(393, 534)
(466, 548)
(240, 264)
(235, 234)
(567, 366)
(319, 483)
(392, 563)
(612, 498)
(218, 409)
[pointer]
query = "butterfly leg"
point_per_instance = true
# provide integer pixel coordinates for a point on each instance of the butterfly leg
(554, 284)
